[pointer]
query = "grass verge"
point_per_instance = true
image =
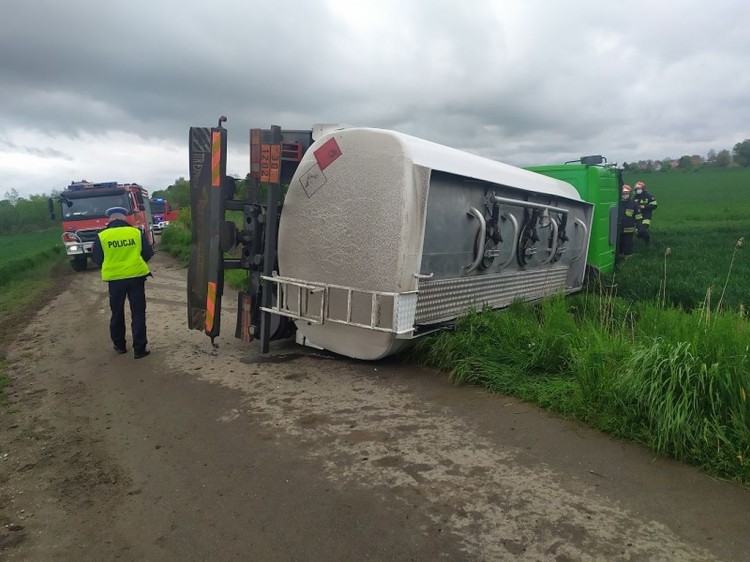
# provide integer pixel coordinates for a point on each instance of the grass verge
(674, 381)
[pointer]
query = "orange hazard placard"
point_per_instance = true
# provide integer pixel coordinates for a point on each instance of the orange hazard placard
(270, 163)
(265, 163)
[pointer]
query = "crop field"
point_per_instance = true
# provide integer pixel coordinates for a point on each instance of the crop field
(695, 232)
(22, 252)
(22, 245)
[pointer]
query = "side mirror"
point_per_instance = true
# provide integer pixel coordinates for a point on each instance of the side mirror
(51, 207)
(593, 160)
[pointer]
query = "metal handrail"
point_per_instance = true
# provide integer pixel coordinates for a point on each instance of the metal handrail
(512, 219)
(482, 239)
(583, 241)
(529, 204)
(553, 247)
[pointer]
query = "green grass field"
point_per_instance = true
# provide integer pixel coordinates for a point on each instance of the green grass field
(19, 252)
(16, 246)
(700, 218)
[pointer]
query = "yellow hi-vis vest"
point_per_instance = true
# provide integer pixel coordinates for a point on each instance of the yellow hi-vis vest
(122, 253)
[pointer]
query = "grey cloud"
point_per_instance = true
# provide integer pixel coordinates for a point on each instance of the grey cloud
(529, 82)
(8, 147)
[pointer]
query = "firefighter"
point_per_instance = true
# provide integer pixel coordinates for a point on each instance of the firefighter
(646, 205)
(629, 218)
(122, 252)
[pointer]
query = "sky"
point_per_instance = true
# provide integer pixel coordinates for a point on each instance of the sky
(106, 90)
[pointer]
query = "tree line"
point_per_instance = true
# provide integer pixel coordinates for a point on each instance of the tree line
(739, 156)
(19, 214)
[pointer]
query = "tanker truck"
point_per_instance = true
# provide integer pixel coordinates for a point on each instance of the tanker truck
(361, 240)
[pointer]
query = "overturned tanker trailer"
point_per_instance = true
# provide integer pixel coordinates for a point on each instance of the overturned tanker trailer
(381, 237)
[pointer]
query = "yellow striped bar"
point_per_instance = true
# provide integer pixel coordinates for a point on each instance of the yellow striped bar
(210, 305)
(215, 159)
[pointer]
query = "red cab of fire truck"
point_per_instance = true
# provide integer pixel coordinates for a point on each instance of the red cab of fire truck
(163, 212)
(82, 208)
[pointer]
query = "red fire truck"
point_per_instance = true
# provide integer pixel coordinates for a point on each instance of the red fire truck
(82, 208)
(164, 212)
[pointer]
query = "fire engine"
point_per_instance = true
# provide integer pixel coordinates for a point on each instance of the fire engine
(163, 212)
(82, 208)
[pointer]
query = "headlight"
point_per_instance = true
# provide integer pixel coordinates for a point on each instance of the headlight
(73, 248)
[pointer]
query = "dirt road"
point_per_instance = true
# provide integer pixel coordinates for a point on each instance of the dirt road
(201, 454)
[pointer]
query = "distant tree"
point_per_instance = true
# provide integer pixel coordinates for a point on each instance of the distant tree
(11, 196)
(645, 165)
(177, 193)
(711, 157)
(18, 214)
(685, 162)
(723, 159)
(666, 164)
(741, 153)
(241, 185)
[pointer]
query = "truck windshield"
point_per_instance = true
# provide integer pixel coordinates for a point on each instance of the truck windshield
(93, 207)
(157, 206)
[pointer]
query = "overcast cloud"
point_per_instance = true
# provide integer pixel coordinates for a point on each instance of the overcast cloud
(106, 90)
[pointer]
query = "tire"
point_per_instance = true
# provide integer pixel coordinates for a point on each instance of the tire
(79, 263)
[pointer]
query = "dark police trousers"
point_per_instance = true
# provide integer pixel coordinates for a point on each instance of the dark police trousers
(135, 291)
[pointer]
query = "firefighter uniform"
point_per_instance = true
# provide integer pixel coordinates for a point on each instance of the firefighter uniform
(630, 216)
(646, 204)
(122, 252)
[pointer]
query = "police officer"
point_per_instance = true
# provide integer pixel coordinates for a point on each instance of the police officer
(122, 252)
(629, 218)
(646, 205)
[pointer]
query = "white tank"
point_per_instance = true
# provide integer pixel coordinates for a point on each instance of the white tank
(384, 237)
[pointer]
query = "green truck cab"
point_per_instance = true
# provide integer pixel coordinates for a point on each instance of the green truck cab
(598, 184)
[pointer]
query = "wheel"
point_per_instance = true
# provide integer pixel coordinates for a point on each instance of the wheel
(79, 263)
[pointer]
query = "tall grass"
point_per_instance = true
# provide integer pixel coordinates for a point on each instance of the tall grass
(175, 239)
(661, 377)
